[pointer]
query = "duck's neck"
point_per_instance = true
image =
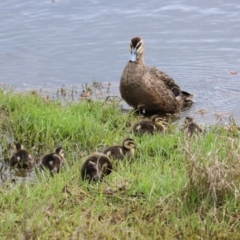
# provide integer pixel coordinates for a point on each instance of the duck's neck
(140, 59)
(132, 151)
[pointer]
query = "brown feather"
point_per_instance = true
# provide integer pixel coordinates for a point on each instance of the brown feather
(155, 124)
(119, 152)
(53, 161)
(95, 167)
(190, 128)
(21, 158)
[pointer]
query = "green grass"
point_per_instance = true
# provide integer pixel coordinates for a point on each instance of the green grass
(171, 189)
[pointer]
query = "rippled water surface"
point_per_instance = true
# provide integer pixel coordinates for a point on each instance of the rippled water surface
(45, 44)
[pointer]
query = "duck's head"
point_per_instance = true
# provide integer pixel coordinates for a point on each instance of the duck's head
(128, 143)
(23, 157)
(106, 168)
(158, 120)
(188, 120)
(18, 146)
(136, 49)
(99, 168)
(60, 152)
(93, 174)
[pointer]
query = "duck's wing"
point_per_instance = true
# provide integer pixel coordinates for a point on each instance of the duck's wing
(170, 83)
(144, 126)
(161, 94)
(114, 151)
(197, 129)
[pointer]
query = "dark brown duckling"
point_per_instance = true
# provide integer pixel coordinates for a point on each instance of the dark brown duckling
(155, 124)
(53, 161)
(120, 152)
(95, 167)
(21, 158)
(190, 128)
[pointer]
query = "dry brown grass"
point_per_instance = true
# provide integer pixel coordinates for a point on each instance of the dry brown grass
(212, 176)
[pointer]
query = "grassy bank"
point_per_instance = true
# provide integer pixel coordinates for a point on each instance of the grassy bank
(171, 189)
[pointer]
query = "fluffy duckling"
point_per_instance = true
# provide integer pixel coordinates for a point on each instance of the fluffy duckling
(119, 152)
(190, 127)
(53, 161)
(95, 167)
(21, 158)
(155, 124)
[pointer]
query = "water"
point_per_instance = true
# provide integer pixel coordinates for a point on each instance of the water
(45, 44)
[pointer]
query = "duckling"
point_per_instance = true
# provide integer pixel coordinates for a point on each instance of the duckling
(155, 124)
(95, 167)
(120, 152)
(146, 88)
(190, 127)
(21, 158)
(53, 161)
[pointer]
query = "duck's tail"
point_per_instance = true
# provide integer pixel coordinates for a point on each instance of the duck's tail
(183, 98)
(187, 96)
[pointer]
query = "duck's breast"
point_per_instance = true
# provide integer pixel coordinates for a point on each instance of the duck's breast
(131, 84)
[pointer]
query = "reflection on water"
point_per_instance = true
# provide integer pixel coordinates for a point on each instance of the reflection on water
(46, 45)
(12, 175)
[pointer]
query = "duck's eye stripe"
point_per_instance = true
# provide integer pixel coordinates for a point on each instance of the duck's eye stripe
(138, 45)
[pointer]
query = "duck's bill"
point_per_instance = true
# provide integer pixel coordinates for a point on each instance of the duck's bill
(133, 57)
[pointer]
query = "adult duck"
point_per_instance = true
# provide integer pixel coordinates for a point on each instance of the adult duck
(146, 88)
